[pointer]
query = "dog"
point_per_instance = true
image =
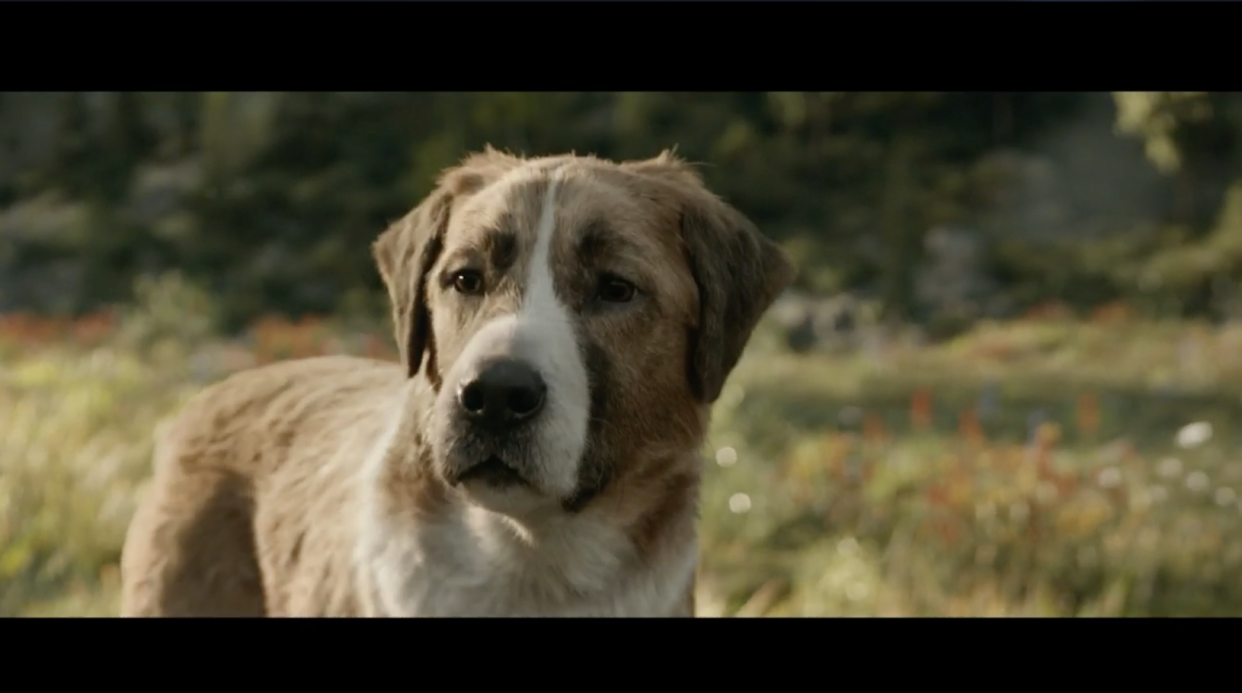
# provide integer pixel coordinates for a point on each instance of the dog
(564, 324)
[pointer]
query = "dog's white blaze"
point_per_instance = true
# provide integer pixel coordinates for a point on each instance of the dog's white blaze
(544, 335)
(541, 333)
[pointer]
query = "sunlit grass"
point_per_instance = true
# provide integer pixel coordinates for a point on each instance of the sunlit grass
(935, 482)
(1034, 468)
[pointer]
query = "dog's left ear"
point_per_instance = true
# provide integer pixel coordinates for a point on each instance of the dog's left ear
(739, 272)
(408, 249)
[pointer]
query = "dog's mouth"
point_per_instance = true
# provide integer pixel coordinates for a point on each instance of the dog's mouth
(492, 471)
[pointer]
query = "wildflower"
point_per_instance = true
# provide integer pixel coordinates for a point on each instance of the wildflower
(969, 427)
(739, 503)
(1225, 496)
(1195, 434)
(873, 428)
(1088, 414)
(1109, 477)
(921, 408)
(1047, 434)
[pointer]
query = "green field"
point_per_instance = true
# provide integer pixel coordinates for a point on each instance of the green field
(902, 481)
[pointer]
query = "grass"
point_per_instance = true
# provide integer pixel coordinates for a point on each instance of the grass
(1031, 468)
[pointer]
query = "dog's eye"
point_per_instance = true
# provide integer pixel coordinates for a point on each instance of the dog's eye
(615, 290)
(468, 282)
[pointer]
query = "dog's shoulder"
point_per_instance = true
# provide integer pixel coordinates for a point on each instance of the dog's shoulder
(248, 450)
(288, 388)
(269, 410)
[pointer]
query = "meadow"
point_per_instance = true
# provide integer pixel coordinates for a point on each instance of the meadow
(1052, 466)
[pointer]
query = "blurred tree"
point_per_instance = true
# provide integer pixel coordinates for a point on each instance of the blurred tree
(267, 198)
(1192, 135)
(127, 141)
(73, 167)
(1195, 137)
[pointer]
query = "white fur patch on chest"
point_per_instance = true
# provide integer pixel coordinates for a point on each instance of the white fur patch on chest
(471, 562)
(480, 564)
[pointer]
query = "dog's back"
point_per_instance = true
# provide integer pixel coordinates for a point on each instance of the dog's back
(192, 550)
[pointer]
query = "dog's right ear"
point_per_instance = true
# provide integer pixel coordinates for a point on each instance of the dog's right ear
(405, 253)
(407, 250)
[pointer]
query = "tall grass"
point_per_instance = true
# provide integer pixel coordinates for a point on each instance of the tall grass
(1034, 468)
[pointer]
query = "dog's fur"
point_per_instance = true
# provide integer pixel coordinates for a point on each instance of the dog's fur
(337, 486)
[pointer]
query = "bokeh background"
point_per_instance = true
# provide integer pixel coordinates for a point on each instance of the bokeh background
(1007, 382)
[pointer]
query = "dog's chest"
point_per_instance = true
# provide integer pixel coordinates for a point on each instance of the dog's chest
(457, 570)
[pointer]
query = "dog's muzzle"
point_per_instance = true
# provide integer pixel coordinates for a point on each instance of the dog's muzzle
(497, 406)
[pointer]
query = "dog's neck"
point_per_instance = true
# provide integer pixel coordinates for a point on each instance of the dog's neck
(629, 551)
(640, 514)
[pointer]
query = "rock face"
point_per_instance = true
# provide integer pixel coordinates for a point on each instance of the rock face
(952, 290)
(808, 323)
(952, 280)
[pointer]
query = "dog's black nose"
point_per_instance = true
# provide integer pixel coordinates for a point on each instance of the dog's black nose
(503, 394)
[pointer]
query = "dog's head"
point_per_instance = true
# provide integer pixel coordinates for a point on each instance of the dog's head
(572, 315)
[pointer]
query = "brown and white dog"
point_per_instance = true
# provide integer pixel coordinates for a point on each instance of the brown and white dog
(564, 325)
